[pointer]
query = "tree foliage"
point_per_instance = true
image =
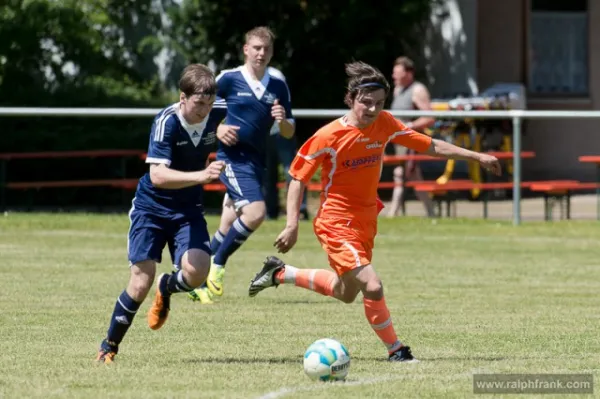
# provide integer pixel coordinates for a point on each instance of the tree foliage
(314, 38)
(77, 52)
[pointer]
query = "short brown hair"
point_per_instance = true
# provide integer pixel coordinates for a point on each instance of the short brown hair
(407, 63)
(363, 78)
(197, 79)
(262, 32)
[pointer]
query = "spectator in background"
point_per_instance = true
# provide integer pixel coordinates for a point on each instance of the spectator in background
(409, 94)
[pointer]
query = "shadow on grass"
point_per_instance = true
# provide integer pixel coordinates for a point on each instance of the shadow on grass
(237, 360)
(298, 360)
(300, 301)
(437, 359)
(465, 358)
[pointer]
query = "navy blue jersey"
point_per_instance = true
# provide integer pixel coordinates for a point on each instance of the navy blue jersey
(182, 147)
(249, 104)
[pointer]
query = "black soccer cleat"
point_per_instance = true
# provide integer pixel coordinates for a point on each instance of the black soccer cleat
(266, 277)
(403, 355)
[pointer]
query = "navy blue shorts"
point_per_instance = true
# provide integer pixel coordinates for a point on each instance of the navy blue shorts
(244, 183)
(148, 235)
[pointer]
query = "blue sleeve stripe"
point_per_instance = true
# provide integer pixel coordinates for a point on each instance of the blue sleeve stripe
(161, 123)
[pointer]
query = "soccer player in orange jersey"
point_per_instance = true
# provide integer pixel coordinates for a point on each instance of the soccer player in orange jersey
(350, 151)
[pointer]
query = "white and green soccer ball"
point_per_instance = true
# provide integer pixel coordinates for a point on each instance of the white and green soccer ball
(327, 360)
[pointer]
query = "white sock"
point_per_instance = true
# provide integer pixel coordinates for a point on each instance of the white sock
(289, 274)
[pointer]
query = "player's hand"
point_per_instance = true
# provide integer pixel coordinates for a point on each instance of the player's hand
(228, 134)
(286, 239)
(277, 111)
(212, 171)
(490, 163)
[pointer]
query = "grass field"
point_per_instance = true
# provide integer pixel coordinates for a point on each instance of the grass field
(467, 296)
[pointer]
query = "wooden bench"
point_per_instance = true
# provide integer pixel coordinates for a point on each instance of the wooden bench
(72, 154)
(501, 155)
(131, 184)
(594, 159)
(397, 159)
(444, 191)
(118, 153)
(561, 192)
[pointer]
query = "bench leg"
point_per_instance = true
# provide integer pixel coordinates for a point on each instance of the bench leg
(448, 202)
(598, 193)
(568, 204)
(598, 204)
(561, 207)
(547, 208)
(485, 204)
(438, 206)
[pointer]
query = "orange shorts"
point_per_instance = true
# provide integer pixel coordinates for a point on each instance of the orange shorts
(348, 243)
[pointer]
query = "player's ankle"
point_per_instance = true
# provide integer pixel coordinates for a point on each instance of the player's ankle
(279, 277)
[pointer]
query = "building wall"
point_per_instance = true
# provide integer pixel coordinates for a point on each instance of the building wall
(499, 42)
(501, 51)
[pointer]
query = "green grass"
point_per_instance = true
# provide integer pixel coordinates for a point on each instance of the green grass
(468, 296)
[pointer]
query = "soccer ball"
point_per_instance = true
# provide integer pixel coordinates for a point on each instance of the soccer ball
(327, 360)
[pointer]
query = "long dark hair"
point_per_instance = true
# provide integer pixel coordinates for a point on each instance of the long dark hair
(363, 78)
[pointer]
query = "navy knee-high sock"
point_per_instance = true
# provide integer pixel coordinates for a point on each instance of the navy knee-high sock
(216, 242)
(235, 237)
(121, 319)
(174, 283)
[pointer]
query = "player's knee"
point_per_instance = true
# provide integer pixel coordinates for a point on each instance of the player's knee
(141, 280)
(349, 297)
(346, 293)
(373, 289)
(254, 213)
(196, 265)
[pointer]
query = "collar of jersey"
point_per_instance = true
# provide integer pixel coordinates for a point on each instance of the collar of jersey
(344, 122)
(197, 127)
(258, 87)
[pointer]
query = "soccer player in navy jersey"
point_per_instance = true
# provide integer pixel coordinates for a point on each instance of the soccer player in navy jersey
(167, 207)
(257, 97)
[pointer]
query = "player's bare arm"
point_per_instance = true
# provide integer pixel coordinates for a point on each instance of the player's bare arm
(422, 101)
(166, 178)
(286, 128)
(288, 237)
(443, 149)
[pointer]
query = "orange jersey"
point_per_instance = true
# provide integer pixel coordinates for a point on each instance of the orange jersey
(351, 161)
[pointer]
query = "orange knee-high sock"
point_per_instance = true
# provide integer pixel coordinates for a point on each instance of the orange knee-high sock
(379, 318)
(318, 280)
